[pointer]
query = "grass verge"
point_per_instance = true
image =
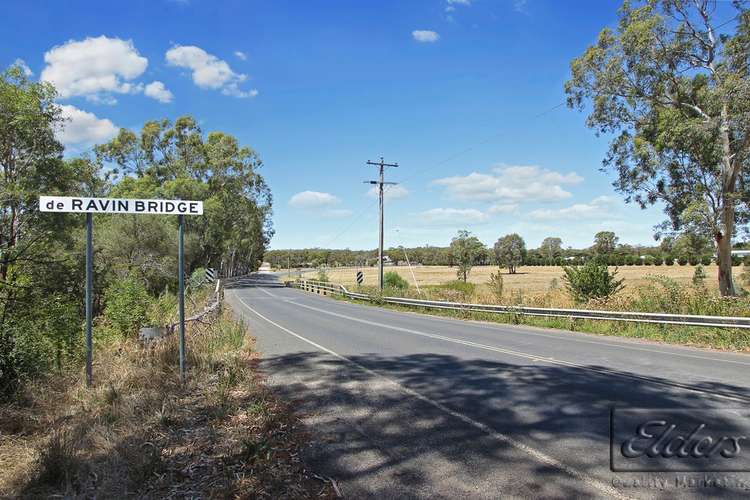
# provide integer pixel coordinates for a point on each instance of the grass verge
(141, 433)
(715, 338)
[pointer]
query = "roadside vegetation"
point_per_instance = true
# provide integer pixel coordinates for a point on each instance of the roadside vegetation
(141, 433)
(135, 257)
(138, 432)
(592, 286)
(660, 294)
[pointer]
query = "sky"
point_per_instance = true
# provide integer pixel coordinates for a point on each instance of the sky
(465, 95)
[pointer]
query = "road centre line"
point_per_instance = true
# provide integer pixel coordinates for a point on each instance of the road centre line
(613, 343)
(533, 357)
(533, 452)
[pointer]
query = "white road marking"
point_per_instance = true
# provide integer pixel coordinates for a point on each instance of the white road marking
(533, 452)
(567, 338)
(533, 357)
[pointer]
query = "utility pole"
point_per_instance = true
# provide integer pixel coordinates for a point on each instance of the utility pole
(380, 185)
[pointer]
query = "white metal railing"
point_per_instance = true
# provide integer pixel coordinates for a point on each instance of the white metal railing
(326, 288)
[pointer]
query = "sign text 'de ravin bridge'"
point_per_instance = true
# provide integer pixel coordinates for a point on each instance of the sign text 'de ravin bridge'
(119, 206)
(90, 206)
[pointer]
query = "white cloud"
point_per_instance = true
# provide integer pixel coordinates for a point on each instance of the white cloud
(596, 209)
(511, 184)
(24, 67)
(240, 55)
(389, 192)
(503, 208)
(157, 90)
(321, 204)
(208, 71)
(82, 127)
(452, 216)
(94, 68)
(313, 199)
(425, 36)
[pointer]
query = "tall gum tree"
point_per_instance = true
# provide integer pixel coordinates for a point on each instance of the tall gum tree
(670, 82)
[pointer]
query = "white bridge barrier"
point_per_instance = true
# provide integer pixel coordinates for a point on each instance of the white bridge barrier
(325, 288)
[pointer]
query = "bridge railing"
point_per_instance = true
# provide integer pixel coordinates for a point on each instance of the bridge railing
(326, 288)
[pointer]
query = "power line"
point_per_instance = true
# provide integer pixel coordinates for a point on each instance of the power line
(437, 164)
(471, 148)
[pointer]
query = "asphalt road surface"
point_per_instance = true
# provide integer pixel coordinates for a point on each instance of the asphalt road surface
(405, 405)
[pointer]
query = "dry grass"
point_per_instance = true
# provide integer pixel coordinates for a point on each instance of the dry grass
(528, 279)
(141, 433)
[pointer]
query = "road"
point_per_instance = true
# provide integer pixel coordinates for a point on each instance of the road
(405, 405)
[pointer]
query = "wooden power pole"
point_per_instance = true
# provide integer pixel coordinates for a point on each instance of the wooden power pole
(380, 183)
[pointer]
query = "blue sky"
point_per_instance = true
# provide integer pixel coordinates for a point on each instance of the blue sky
(452, 90)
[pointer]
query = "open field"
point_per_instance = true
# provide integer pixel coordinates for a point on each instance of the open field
(528, 279)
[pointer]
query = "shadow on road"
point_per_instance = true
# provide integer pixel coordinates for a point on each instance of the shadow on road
(393, 442)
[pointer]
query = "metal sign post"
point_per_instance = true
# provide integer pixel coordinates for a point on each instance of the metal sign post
(181, 299)
(89, 298)
(90, 206)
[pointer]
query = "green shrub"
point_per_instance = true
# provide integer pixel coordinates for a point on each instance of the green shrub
(682, 261)
(31, 345)
(660, 294)
(392, 279)
(162, 310)
(127, 303)
(197, 278)
(322, 275)
(699, 276)
(463, 287)
(658, 261)
(669, 260)
(706, 261)
(496, 285)
(591, 281)
(694, 261)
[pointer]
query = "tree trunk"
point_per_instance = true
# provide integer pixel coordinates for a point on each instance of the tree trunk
(729, 183)
(724, 254)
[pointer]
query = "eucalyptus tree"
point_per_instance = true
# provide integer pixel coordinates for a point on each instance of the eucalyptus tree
(670, 82)
(465, 249)
(177, 160)
(605, 242)
(38, 260)
(551, 248)
(510, 251)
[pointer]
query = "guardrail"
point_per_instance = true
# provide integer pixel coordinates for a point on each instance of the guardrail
(325, 288)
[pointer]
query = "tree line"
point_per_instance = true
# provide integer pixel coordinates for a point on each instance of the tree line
(510, 251)
(42, 254)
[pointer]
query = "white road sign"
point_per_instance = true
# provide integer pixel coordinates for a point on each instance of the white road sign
(119, 206)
